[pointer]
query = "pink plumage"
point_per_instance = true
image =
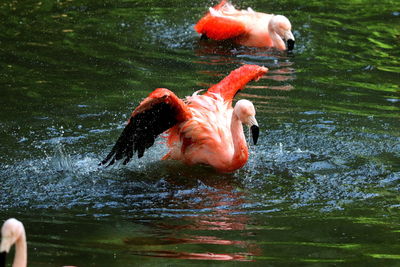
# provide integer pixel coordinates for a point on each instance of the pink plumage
(246, 27)
(202, 129)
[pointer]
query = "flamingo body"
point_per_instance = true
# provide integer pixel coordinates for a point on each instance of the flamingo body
(246, 27)
(206, 138)
(202, 129)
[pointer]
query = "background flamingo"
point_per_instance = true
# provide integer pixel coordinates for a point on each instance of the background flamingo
(13, 232)
(203, 129)
(246, 27)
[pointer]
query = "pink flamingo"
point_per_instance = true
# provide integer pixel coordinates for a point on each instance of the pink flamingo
(13, 232)
(203, 129)
(246, 27)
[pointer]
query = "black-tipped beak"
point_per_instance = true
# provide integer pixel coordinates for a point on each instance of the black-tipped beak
(255, 132)
(3, 259)
(290, 44)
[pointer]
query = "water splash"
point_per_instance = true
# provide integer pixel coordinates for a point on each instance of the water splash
(169, 34)
(329, 169)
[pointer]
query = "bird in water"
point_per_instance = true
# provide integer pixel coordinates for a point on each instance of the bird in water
(246, 27)
(202, 129)
(13, 232)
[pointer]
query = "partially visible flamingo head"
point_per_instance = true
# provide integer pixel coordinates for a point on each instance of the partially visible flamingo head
(282, 27)
(11, 231)
(246, 113)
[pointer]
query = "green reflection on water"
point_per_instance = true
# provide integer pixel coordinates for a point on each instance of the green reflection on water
(76, 69)
(385, 256)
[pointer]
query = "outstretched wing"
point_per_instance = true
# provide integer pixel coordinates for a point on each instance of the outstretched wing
(161, 110)
(236, 81)
(217, 26)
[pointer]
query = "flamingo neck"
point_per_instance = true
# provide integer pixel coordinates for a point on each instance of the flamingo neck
(21, 255)
(240, 154)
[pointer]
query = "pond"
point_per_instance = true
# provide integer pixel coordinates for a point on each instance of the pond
(321, 186)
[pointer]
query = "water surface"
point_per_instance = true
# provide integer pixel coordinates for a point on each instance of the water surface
(321, 186)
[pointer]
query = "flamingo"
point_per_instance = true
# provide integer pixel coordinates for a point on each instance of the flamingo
(203, 129)
(246, 27)
(13, 232)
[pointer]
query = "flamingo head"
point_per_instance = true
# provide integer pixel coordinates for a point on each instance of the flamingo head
(11, 231)
(246, 113)
(281, 26)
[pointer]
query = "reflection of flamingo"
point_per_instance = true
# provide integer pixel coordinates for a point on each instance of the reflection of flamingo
(13, 232)
(204, 129)
(246, 27)
(202, 236)
(195, 256)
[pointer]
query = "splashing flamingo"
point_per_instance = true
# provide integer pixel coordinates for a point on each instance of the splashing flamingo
(13, 232)
(246, 27)
(203, 129)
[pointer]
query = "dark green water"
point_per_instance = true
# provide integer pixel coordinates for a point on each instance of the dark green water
(321, 187)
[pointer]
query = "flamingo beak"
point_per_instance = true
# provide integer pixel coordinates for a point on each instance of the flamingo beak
(3, 258)
(6, 243)
(255, 130)
(289, 40)
(290, 44)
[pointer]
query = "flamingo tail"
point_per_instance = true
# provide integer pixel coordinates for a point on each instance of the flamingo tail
(218, 27)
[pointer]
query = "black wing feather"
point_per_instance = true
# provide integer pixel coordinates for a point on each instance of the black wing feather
(141, 131)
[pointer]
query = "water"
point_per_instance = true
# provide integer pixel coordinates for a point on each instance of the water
(320, 187)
